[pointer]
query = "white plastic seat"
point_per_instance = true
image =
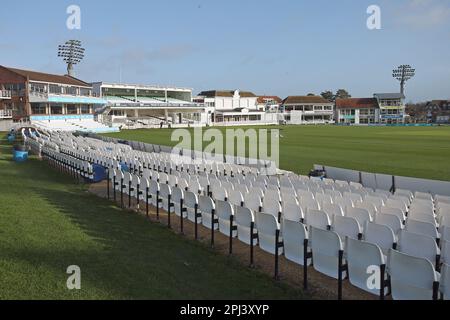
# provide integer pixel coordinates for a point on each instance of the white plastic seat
(412, 278)
(295, 238)
(333, 210)
(346, 227)
(328, 255)
(445, 252)
(343, 202)
(381, 235)
(153, 192)
(418, 245)
(361, 215)
(165, 192)
(355, 197)
(236, 198)
(398, 204)
(307, 203)
(195, 187)
(303, 194)
(218, 192)
(378, 202)
(206, 207)
(421, 209)
(268, 226)
(317, 218)
(178, 201)
(361, 256)
(244, 220)
(252, 200)
(292, 212)
(323, 199)
(389, 220)
(394, 211)
(370, 207)
(444, 287)
(191, 203)
(424, 217)
(272, 207)
(423, 195)
(225, 214)
(444, 231)
(404, 192)
(421, 227)
(289, 198)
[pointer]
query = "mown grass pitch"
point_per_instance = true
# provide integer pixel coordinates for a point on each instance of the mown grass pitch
(422, 152)
(48, 222)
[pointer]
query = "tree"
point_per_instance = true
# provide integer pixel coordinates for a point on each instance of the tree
(311, 94)
(342, 94)
(328, 95)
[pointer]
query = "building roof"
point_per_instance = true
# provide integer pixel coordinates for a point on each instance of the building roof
(305, 100)
(47, 77)
(389, 96)
(262, 99)
(356, 103)
(226, 93)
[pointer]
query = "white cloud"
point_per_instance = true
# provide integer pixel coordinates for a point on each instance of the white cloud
(424, 13)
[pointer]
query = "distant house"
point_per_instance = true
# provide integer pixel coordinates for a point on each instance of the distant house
(392, 107)
(438, 111)
(307, 110)
(230, 106)
(269, 103)
(357, 111)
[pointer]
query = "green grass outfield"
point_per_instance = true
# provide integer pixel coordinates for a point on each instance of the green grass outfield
(422, 152)
(48, 222)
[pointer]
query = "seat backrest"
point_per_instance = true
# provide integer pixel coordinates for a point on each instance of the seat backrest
(420, 216)
(445, 252)
(177, 195)
(404, 192)
(154, 187)
(393, 211)
(165, 191)
(292, 212)
(288, 198)
(418, 245)
(360, 256)
(219, 193)
(412, 277)
(325, 246)
(267, 224)
(252, 200)
(333, 210)
(343, 202)
(346, 227)
(303, 194)
(271, 206)
(317, 218)
(376, 201)
(381, 235)
(294, 235)
(423, 195)
(244, 216)
(444, 286)
(395, 203)
(389, 220)
(370, 207)
(421, 227)
(361, 215)
(236, 198)
(224, 210)
(206, 204)
(323, 199)
(190, 199)
(308, 203)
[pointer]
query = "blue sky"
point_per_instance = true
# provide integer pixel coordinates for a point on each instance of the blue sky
(284, 47)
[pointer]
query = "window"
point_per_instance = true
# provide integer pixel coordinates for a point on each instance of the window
(38, 108)
(55, 89)
(85, 109)
(56, 110)
(70, 90)
(85, 92)
(71, 109)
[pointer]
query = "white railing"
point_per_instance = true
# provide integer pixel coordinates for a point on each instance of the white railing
(5, 114)
(5, 94)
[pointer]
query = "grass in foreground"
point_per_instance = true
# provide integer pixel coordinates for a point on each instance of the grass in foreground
(421, 152)
(48, 223)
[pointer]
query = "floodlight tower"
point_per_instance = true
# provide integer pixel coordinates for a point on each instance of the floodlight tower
(72, 53)
(403, 73)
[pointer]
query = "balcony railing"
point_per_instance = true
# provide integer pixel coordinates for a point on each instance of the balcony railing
(5, 114)
(5, 94)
